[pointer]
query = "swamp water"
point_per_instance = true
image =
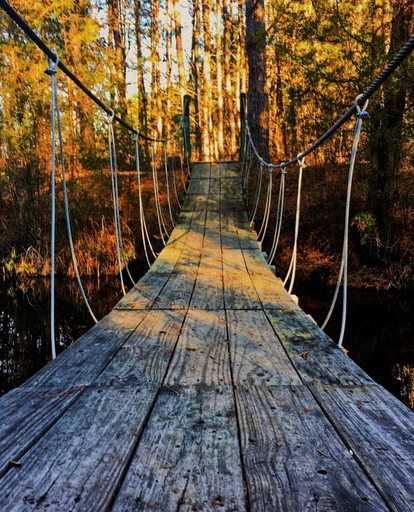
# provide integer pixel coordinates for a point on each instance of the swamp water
(379, 334)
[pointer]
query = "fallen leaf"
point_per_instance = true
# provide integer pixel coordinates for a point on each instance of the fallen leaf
(359, 404)
(308, 409)
(15, 463)
(303, 355)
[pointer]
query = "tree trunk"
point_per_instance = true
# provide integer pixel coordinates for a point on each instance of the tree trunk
(257, 97)
(142, 95)
(119, 63)
(179, 46)
(207, 126)
(219, 75)
(386, 138)
(229, 99)
(155, 72)
(195, 66)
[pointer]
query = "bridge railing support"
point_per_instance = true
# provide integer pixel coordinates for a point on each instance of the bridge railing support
(186, 128)
(242, 127)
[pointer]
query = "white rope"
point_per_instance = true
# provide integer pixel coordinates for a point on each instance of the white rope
(51, 71)
(279, 215)
(121, 256)
(343, 272)
(174, 174)
(66, 202)
(291, 274)
(258, 193)
(164, 147)
(266, 215)
(160, 218)
(144, 231)
(249, 162)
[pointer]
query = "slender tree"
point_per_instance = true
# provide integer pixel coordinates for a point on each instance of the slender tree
(257, 95)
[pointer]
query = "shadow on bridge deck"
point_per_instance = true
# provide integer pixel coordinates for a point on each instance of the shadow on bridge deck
(206, 388)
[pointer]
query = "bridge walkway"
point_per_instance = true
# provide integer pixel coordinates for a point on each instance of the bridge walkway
(206, 388)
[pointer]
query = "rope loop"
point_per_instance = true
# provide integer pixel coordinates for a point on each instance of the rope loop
(53, 64)
(111, 115)
(301, 161)
(361, 112)
(283, 168)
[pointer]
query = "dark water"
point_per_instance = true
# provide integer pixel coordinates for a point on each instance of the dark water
(379, 335)
(25, 323)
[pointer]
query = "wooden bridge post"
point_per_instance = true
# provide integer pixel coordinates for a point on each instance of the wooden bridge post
(242, 126)
(186, 127)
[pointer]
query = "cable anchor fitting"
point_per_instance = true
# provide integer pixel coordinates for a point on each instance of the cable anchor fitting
(361, 112)
(52, 65)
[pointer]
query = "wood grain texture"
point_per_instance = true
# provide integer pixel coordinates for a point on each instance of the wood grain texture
(79, 462)
(315, 356)
(293, 459)
(379, 429)
(202, 355)
(84, 360)
(177, 292)
(208, 290)
(146, 291)
(188, 458)
(239, 291)
(26, 415)
(257, 356)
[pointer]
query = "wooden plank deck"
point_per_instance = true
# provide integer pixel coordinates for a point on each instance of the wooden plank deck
(206, 389)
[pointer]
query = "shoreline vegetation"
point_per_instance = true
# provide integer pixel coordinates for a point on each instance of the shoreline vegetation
(320, 235)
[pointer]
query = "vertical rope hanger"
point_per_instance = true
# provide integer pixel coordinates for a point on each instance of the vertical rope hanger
(121, 256)
(343, 271)
(161, 224)
(291, 273)
(279, 214)
(167, 181)
(144, 230)
(265, 221)
(257, 195)
(51, 71)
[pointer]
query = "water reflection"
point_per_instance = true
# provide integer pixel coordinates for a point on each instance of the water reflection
(25, 323)
(379, 334)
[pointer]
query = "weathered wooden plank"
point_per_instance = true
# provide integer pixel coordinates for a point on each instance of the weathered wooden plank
(269, 288)
(82, 458)
(202, 355)
(84, 360)
(145, 292)
(188, 457)
(247, 236)
(201, 170)
(178, 290)
(380, 432)
(239, 291)
(208, 290)
(315, 356)
(26, 415)
(80, 461)
(199, 186)
(293, 459)
(146, 354)
(257, 356)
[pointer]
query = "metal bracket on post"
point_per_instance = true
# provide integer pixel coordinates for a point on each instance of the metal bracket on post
(186, 127)
(242, 126)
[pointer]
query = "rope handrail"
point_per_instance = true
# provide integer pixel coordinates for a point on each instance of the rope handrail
(383, 76)
(52, 55)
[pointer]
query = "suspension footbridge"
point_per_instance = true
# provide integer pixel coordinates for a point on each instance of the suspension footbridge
(206, 388)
